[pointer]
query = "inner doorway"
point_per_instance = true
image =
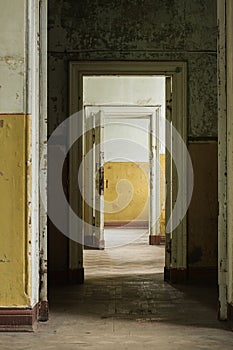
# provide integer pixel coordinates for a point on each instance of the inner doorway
(124, 184)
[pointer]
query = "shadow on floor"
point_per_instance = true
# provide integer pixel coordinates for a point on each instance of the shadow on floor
(141, 298)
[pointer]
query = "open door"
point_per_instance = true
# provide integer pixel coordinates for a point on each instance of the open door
(154, 160)
(98, 185)
(94, 179)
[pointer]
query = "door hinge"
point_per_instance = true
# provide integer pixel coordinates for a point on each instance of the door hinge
(169, 246)
(169, 103)
(93, 221)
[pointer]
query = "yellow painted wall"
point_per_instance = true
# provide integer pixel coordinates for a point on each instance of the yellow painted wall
(131, 200)
(13, 258)
(125, 202)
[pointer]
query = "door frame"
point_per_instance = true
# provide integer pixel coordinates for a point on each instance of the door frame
(112, 112)
(177, 269)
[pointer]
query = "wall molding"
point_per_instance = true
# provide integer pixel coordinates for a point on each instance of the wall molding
(157, 240)
(18, 319)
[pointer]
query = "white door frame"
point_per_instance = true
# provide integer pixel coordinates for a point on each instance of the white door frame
(108, 112)
(225, 162)
(43, 292)
(93, 163)
(178, 72)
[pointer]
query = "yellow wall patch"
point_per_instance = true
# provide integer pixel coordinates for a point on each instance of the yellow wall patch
(13, 210)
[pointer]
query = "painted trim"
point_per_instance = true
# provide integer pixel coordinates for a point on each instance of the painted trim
(229, 144)
(222, 160)
(43, 236)
(32, 106)
(154, 240)
(18, 319)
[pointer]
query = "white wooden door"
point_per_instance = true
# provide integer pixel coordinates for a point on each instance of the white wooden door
(154, 221)
(94, 179)
(98, 185)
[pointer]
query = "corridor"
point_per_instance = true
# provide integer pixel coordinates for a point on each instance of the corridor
(125, 304)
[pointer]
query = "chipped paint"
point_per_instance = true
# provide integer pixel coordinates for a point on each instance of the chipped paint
(229, 143)
(43, 297)
(114, 30)
(12, 62)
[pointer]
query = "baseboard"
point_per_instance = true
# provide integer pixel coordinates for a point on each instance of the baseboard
(91, 242)
(137, 224)
(157, 240)
(43, 311)
(176, 276)
(196, 275)
(75, 276)
(203, 275)
(230, 312)
(18, 319)
(166, 274)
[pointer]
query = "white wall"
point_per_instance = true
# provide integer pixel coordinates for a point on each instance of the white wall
(12, 56)
(126, 90)
(126, 140)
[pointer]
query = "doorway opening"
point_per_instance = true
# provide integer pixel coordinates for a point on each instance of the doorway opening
(131, 168)
(124, 166)
(174, 77)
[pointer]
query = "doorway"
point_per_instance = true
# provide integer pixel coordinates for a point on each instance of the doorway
(122, 175)
(174, 74)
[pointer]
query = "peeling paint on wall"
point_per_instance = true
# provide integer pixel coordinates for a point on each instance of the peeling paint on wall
(137, 30)
(12, 61)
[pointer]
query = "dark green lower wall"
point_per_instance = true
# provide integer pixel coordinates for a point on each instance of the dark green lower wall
(203, 210)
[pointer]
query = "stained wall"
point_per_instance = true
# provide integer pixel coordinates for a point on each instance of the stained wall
(183, 30)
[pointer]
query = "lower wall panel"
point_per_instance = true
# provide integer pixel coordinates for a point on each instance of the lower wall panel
(18, 319)
(13, 237)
